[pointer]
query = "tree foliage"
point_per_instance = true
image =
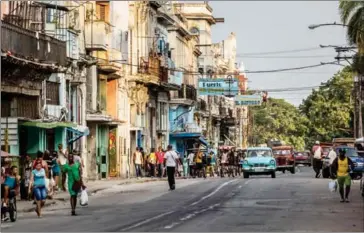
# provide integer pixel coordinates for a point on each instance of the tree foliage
(329, 109)
(279, 119)
(325, 114)
(352, 13)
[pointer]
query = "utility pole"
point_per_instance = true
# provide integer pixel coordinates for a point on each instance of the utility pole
(360, 115)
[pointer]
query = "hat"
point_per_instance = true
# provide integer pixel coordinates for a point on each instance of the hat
(317, 142)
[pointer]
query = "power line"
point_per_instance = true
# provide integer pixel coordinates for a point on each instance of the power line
(285, 51)
(285, 57)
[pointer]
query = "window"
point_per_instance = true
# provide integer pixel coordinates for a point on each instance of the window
(52, 91)
(102, 11)
(163, 114)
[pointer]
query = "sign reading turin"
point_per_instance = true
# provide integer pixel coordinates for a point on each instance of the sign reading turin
(220, 86)
(248, 100)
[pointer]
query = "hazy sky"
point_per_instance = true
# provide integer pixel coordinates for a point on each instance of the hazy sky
(263, 27)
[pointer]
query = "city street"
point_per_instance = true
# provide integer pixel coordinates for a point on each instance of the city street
(288, 203)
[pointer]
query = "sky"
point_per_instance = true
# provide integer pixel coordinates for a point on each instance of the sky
(271, 26)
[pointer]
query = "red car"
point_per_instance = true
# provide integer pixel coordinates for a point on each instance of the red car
(285, 159)
(303, 158)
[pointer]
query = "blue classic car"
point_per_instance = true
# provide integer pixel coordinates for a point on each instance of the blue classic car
(259, 161)
(358, 161)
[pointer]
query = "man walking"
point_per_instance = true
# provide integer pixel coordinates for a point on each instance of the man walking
(152, 160)
(317, 158)
(170, 162)
(342, 167)
(138, 161)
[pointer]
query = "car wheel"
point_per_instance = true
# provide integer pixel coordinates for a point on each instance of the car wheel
(283, 171)
(293, 170)
(273, 175)
(246, 175)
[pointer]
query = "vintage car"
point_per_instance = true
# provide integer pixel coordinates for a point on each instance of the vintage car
(259, 161)
(285, 159)
(303, 157)
(358, 161)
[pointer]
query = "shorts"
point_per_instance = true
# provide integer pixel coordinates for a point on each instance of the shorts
(11, 194)
(344, 180)
(40, 193)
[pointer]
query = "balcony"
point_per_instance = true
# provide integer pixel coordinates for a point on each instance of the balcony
(178, 127)
(27, 44)
(187, 95)
(110, 63)
(97, 35)
(150, 68)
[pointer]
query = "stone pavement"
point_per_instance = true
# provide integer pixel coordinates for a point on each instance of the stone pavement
(92, 188)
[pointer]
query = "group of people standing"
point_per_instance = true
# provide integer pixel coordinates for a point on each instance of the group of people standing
(340, 168)
(41, 178)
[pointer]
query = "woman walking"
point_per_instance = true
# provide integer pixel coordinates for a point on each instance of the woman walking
(73, 171)
(56, 170)
(38, 183)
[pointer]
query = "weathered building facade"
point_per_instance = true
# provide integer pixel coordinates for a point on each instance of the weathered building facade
(42, 72)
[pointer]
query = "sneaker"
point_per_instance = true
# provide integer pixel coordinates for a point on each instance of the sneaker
(6, 218)
(347, 200)
(342, 200)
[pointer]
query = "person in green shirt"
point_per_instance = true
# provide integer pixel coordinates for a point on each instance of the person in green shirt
(73, 170)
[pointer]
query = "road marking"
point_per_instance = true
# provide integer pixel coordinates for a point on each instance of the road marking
(3, 226)
(146, 221)
(189, 216)
(213, 193)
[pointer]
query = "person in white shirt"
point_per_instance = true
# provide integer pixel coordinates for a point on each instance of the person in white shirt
(332, 156)
(317, 158)
(170, 162)
(191, 163)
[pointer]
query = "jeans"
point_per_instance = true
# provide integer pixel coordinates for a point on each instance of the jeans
(40, 193)
(152, 169)
(138, 170)
(317, 166)
(160, 170)
(170, 174)
(192, 172)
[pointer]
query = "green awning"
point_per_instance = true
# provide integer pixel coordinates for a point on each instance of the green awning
(48, 125)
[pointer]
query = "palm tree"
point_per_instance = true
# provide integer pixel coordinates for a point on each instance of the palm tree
(352, 15)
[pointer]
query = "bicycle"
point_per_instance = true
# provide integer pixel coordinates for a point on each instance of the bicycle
(11, 208)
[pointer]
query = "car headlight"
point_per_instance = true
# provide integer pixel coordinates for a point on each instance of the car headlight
(272, 162)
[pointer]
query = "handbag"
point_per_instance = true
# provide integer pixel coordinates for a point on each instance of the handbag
(76, 187)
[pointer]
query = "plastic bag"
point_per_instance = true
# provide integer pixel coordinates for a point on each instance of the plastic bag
(84, 198)
(333, 186)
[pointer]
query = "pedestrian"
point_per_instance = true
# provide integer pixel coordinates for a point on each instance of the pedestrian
(170, 162)
(27, 172)
(160, 160)
(191, 163)
(138, 161)
(317, 158)
(56, 170)
(199, 164)
(332, 156)
(231, 161)
(341, 167)
(73, 170)
(40, 156)
(223, 162)
(62, 159)
(38, 184)
(152, 160)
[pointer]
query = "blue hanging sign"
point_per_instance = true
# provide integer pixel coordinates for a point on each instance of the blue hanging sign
(221, 86)
(248, 100)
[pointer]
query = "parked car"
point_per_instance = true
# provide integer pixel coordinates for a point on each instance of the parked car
(285, 159)
(303, 157)
(358, 161)
(259, 161)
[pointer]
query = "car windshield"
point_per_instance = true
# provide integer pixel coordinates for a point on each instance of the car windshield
(302, 154)
(350, 152)
(282, 152)
(259, 153)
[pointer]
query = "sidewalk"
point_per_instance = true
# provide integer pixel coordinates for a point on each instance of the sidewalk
(92, 188)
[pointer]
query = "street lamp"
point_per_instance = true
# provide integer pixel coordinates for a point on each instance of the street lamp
(314, 26)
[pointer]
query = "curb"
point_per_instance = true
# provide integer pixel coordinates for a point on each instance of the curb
(91, 192)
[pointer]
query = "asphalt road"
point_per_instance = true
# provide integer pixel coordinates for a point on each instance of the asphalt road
(288, 203)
